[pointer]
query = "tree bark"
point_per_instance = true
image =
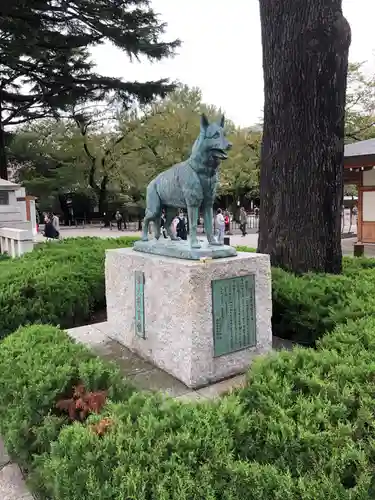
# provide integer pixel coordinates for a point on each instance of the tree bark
(3, 155)
(305, 63)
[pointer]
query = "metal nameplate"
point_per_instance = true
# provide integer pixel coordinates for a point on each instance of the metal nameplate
(233, 311)
(139, 279)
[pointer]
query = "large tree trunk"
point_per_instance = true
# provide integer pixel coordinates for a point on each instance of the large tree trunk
(305, 61)
(3, 156)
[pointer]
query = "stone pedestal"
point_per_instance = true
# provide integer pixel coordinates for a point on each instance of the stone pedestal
(15, 242)
(12, 214)
(191, 318)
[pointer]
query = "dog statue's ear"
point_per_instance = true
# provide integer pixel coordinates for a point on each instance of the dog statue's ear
(204, 122)
(222, 121)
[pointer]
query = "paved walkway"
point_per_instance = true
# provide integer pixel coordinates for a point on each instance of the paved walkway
(146, 376)
(250, 240)
(237, 239)
(12, 484)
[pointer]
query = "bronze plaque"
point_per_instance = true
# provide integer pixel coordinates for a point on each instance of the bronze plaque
(139, 279)
(233, 311)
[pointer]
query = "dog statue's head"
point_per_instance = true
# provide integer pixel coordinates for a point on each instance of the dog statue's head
(212, 145)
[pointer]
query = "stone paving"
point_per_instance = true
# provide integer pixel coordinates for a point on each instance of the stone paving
(250, 240)
(141, 373)
(12, 484)
(73, 232)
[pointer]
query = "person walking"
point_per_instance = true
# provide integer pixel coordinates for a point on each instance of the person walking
(220, 225)
(162, 225)
(227, 222)
(181, 227)
(243, 221)
(55, 222)
(118, 218)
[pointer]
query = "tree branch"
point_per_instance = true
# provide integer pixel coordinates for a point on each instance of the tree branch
(353, 135)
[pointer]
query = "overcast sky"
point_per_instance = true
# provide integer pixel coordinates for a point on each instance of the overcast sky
(222, 54)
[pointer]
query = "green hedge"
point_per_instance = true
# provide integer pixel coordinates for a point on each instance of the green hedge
(60, 283)
(306, 307)
(302, 427)
(39, 364)
(43, 286)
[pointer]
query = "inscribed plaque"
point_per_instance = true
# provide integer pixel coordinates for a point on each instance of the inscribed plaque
(4, 198)
(139, 280)
(233, 311)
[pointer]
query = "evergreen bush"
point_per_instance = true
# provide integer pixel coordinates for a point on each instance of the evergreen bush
(39, 365)
(61, 283)
(301, 428)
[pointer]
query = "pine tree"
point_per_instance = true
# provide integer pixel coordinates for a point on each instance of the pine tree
(45, 65)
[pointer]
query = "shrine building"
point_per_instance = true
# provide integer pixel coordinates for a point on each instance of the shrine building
(359, 169)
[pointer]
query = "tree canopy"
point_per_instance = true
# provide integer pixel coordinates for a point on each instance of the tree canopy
(360, 105)
(117, 159)
(45, 64)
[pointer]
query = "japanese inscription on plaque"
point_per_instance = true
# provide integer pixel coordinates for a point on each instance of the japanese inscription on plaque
(139, 280)
(233, 310)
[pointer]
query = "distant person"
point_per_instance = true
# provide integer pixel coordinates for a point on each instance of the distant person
(354, 215)
(227, 221)
(55, 222)
(175, 222)
(181, 228)
(243, 221)
(107, 221)
(220, 225)
(162, 224)
(50, 232)
(256, 214)
(118, 218)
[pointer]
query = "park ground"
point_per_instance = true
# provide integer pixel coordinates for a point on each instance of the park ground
(249, 240)
(301, 306)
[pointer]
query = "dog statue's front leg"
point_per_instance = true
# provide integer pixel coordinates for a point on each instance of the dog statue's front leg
(208, 219)
(193, 217)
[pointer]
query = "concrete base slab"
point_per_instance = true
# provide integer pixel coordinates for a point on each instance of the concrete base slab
(12, 484)
(4, 457)
(182, 249)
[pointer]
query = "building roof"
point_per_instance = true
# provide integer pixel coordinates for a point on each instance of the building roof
(8, 186)
(360, 154)
(360, 148)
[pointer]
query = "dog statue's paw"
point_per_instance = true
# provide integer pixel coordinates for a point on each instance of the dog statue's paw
(195, 244)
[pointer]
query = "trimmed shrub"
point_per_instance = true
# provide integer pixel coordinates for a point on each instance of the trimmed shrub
(312, 412)
(306, 307)
(40, 365)
(157, 449)
(61, 283)
(301, 428)
(43, 287)
(241, 248)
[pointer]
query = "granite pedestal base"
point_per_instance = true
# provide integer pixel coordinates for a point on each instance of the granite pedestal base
(168, 312)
